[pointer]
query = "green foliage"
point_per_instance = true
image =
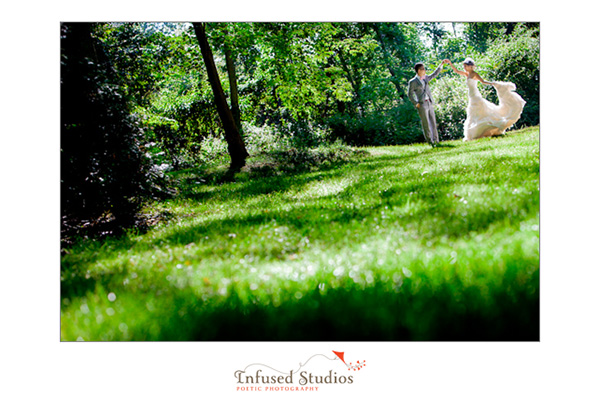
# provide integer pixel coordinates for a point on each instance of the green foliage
(261, 140)
(212, 149)
(162, 70)
(434, 32)
(289, 68)
(304, 159)
(453, 48)
(479, 34)
(103, 168)
(451, 96)
(399, 125)
(136, 55)
(377, 113)
(406, 243)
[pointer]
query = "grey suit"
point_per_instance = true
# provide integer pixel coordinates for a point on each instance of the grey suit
(419, 93)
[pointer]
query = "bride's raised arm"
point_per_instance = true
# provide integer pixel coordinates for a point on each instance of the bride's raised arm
(463, 73)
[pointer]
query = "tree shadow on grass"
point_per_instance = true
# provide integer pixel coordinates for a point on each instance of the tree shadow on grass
(272, 180)
(257, 184)
(304, 216)
(436, 196)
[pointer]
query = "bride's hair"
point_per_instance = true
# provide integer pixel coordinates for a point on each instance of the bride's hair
(469, 61)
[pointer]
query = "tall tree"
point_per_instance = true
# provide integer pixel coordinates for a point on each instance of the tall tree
(235, 144)
(233, 87)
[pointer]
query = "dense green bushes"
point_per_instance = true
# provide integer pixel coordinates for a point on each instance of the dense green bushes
(103, 167)
(451, 94)
(398, 125)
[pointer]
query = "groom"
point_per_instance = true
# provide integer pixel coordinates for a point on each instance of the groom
(420, 95)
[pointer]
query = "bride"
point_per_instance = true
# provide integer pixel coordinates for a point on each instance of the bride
(484, 118)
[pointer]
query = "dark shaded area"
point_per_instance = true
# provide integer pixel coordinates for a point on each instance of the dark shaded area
(375, 313)
(104, 174)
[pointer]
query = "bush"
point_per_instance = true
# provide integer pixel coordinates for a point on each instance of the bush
(103, 167)
(212, 148)
(397, 125)
(407, 124)
(260, 139)
(274, 152)
(180, 129)
(302, 158)
(451, 94)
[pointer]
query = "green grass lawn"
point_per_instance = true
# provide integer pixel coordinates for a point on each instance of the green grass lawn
(403, 243)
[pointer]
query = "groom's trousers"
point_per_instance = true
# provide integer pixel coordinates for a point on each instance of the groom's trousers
(428, 122)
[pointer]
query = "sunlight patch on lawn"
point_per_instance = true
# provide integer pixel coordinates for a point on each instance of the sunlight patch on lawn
(323, 188)
(397, 150)
(473, 191)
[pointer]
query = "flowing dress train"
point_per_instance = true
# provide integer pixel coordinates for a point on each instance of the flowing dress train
(486, 119)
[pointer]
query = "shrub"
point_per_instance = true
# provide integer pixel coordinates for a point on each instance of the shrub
(451, 96)
(397, 125)
(260, 139)
(302, 158)
(212, 148)
(103, 167)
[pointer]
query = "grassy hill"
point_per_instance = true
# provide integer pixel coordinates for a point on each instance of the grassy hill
(400, 243)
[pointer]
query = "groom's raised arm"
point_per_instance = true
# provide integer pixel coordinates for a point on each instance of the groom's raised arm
(436, 72)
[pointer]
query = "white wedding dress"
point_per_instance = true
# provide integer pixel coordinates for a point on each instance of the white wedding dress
(486, 119)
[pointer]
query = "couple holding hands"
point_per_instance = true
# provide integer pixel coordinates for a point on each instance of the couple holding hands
(484, 118)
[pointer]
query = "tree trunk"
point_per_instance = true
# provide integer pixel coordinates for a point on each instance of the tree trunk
(235, 144)
(233, 90)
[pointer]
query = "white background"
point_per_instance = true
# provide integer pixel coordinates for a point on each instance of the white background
(564, 364)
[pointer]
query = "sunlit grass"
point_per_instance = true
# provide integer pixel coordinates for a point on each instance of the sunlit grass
(407, 242)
